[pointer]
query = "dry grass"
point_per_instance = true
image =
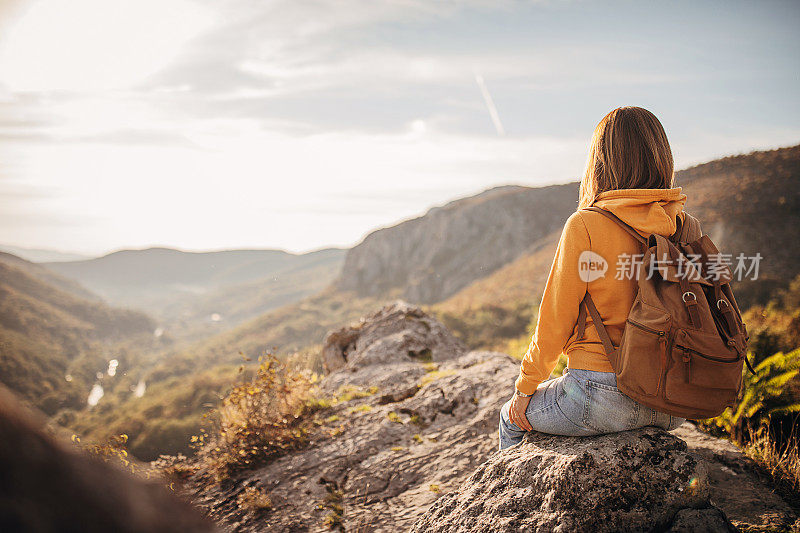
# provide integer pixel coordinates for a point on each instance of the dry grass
(113, 450)
(267, 416)
(334, 503)
(258, 420)
(394, 417)
(781, 461)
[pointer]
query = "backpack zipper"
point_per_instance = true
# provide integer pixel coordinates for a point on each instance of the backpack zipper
(648, 329)
(709, 357)
(664, 358)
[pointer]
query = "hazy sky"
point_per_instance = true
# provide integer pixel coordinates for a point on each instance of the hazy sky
(301, 124)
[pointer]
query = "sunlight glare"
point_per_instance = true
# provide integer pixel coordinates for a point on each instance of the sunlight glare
(95, 45)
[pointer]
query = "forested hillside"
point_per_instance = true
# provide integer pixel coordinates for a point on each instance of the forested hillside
(53, 342)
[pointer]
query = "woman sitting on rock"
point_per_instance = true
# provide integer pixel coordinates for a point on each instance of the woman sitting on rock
(629, 173)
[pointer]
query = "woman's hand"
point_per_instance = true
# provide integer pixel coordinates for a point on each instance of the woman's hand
(516, 412)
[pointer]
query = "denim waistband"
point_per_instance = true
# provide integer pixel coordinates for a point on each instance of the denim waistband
(605, 378)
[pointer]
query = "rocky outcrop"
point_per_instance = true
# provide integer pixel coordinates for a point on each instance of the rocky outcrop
(404, 429)
(738, 486)
(633, 481)
(409, 441)
(397, 333)
(433, 256)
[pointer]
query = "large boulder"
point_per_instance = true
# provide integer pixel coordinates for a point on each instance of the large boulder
(396, 333)
(643, 480)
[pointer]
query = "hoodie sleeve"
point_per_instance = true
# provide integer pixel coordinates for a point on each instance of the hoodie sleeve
(558, 311)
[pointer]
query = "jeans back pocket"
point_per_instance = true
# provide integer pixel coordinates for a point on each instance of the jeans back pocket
(608, 410)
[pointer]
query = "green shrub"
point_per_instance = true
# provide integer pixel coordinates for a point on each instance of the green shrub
(763, 396)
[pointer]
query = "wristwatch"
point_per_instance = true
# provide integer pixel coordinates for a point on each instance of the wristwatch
(521, 395)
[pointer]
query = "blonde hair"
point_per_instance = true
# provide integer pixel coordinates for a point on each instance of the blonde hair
(629, 150)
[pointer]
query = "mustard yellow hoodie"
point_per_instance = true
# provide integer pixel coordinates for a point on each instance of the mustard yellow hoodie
(646, 210)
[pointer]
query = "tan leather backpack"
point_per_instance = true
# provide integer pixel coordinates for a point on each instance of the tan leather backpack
(684, 342)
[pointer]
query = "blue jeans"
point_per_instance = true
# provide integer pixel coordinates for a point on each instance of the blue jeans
(582, 403)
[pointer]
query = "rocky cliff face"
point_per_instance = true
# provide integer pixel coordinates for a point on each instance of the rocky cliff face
(412, 444)
(431, 257)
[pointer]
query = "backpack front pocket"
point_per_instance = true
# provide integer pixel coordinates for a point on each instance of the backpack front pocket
(642, 356)
(708, 382)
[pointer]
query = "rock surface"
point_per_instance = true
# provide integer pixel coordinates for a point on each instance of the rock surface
(738, 486)
(632, 481)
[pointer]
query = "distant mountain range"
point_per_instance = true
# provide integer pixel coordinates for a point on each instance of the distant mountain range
(190, 290)
(40, 255)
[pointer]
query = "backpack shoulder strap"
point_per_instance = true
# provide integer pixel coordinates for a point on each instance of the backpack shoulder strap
(587, 304)
(620, 223)
(608, 346)
(689, 230)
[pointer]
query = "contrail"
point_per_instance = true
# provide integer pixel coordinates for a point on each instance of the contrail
(490, 105)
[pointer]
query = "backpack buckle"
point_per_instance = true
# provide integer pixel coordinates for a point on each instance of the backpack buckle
(721, 301)
(689, 293)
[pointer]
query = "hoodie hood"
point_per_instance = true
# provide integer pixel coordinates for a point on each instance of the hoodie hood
(646, 210)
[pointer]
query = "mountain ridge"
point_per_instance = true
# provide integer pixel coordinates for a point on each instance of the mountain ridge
(42, 255)
(433, 256)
